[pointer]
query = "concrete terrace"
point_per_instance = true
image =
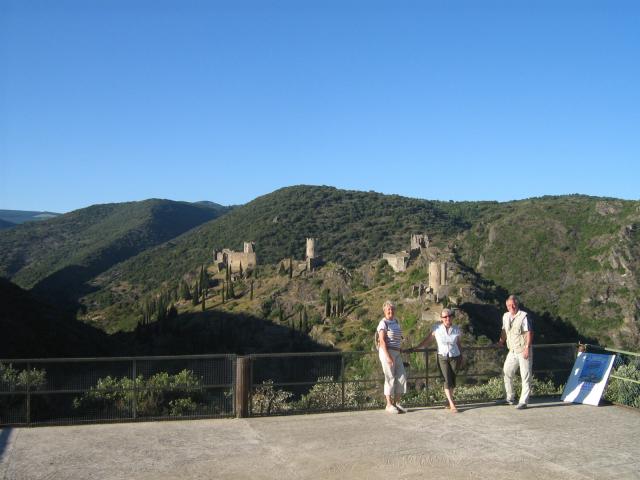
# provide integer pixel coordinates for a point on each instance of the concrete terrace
(550, 440)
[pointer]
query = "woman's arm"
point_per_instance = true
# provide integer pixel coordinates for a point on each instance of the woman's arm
(424, 342)
(382, 335)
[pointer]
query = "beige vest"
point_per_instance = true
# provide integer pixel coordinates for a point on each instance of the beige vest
(516, 338)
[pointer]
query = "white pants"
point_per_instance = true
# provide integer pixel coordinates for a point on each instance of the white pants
(511, 365)
(395, 380)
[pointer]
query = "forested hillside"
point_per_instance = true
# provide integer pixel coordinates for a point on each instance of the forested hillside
(571, 258)
(58, 257)
(574, 261)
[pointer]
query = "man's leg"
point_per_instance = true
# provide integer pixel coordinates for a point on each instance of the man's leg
(510, 367)
(526, 367)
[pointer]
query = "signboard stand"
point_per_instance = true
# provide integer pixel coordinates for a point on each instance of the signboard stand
(588, 378)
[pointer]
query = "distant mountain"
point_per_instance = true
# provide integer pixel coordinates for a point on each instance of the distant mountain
(21, 216)
(57, 258)
(214, 206)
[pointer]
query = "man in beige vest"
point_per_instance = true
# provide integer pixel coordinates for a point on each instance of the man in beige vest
(517, 332)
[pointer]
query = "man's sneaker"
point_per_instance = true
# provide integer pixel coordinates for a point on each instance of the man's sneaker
(511, 401)
(521, 406)
(400, 408)
(391, 409)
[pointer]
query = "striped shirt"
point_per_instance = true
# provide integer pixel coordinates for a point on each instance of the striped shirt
(394, 333)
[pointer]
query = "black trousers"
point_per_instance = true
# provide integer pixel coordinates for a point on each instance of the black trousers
(448, 367)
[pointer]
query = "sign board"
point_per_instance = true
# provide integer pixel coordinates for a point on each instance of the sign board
(588, 378)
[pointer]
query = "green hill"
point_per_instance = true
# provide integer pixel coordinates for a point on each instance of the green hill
(58, 257)
(574, 261)
(351, 228)
(570, 258)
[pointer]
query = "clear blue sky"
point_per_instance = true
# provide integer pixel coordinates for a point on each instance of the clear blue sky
(120, 100)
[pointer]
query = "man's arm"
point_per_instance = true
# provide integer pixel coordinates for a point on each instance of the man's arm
(503, 338)
(528, 344)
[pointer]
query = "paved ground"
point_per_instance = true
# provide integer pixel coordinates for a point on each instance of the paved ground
(550, 440)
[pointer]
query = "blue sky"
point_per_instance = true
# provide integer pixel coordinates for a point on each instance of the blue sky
(110, 101)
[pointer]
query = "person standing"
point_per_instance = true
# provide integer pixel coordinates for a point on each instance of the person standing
(390, 338)
(449, 353)
(517, 333)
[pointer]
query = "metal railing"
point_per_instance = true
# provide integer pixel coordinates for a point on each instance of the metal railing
(311, 382)
(76, 390)
(624, 380)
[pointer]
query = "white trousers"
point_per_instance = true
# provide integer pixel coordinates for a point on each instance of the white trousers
(511, 365)
(395, 380)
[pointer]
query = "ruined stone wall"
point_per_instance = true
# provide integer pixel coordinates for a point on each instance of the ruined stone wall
(419, 241)
(397, 261)
(234, 259)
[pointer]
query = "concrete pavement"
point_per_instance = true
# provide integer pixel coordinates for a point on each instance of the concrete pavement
(550, 440)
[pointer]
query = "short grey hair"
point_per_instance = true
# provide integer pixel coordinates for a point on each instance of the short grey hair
(447, 311)
(388, 303)
(514, 299)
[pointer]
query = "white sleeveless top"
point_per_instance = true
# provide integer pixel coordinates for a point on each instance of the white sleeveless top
(447, 341)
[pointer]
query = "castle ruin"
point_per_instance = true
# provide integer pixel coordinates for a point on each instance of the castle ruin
(312, 260)
(400, 261)
(235, 261)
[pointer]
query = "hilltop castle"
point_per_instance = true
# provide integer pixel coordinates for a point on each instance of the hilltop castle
(235, 261)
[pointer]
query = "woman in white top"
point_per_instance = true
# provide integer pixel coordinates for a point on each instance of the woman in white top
(390, 337)
(449, 353)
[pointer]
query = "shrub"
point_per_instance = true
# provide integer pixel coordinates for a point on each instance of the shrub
(267, 400)
(160, 395)
(327, 395)
(624, 392)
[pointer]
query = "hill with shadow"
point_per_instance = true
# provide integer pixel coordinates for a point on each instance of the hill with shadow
(57, 258)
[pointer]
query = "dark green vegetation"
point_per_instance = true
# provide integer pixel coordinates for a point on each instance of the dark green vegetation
(58, 258)
(574, 260)
(4, 224)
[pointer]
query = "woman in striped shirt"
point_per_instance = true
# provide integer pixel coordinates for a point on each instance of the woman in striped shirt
(390, 337)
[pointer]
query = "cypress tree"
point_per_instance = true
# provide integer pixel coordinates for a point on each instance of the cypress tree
(251, 294)
(290, 268)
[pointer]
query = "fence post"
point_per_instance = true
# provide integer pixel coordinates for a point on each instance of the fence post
(426, 371)
(342, 376)
(29, 394)
(134, 374)
(243, 386)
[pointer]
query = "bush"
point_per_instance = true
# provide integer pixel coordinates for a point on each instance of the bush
(12, 379)
(267, 400)
(624, 392)
(160, 395)
(327, 395)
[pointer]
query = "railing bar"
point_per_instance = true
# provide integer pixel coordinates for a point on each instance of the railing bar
(116, 359)
(625, 379)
